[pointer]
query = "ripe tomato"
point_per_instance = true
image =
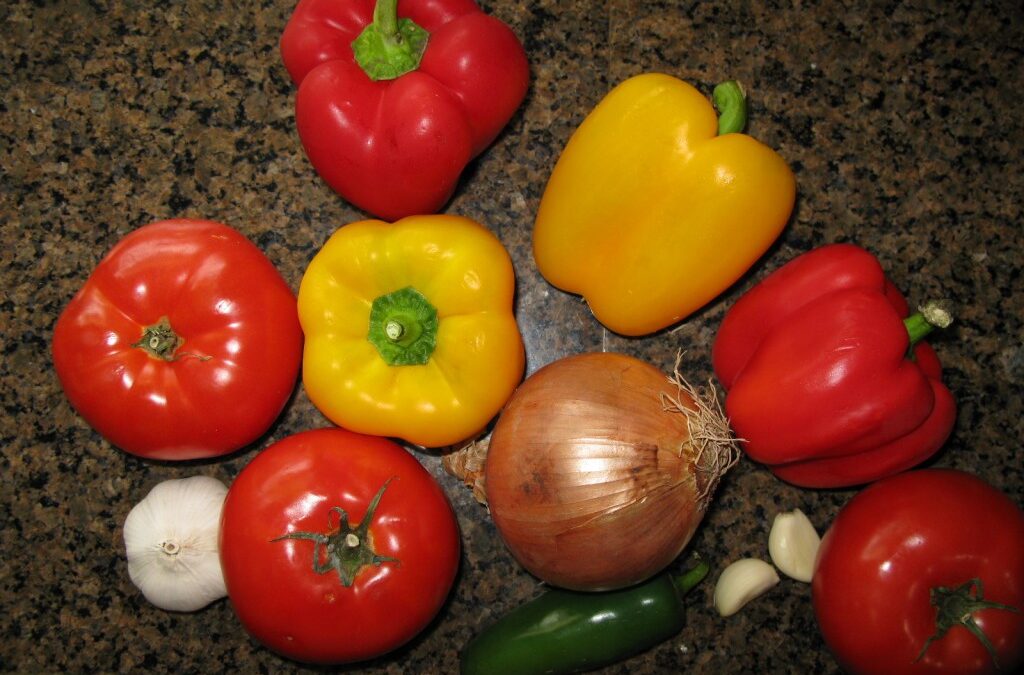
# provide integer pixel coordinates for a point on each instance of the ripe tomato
(910, 563)
(336, 546)
(183, 343)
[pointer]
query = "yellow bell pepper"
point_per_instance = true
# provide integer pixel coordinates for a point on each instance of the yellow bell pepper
(656, 206)
(410, 330)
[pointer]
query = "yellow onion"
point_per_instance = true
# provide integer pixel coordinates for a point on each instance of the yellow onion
(600, 469)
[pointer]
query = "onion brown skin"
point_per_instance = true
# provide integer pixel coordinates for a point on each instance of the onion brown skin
(591, 481)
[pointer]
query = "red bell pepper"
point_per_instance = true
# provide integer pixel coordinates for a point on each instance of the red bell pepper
(395, 98)
(827, 383)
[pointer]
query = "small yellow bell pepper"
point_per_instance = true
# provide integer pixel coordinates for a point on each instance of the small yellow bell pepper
(656, 205)
(410, 330)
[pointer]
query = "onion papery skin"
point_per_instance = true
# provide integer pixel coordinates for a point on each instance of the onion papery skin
(591, 482)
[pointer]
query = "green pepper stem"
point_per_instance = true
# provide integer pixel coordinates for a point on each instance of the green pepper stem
(389, 47)
(691, 577)
(732, 107)
(931, 315)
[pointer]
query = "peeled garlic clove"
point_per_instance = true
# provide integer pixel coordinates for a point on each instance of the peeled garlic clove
(741, 582)
(170, 539)
(793, 544)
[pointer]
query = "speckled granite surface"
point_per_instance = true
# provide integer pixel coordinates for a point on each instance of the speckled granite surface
(901, 120)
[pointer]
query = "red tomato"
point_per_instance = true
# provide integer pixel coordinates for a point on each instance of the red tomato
(183, 343)
(889, 553)
(337, 547)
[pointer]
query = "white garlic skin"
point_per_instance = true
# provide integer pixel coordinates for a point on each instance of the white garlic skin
(793, 545)
(741, 582)
(170, 539)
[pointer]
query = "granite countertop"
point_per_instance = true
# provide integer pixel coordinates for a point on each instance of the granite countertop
(902, 124)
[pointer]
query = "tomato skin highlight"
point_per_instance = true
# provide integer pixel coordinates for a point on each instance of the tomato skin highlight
(312, 617)
(896, 541)
(238, 361)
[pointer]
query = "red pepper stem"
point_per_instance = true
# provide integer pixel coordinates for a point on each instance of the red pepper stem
(389, 47)
(931, 315)
(385, 18)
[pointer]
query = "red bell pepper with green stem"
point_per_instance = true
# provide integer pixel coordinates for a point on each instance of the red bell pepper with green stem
(828, 382)
(395, 98)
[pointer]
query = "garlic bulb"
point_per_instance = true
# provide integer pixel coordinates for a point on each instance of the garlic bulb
(171, 541)
(793, 544)
(741, 582)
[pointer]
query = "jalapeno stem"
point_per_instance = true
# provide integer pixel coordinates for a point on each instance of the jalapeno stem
(691, 577)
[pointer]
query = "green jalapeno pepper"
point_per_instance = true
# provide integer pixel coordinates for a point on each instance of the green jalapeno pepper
(564, 631)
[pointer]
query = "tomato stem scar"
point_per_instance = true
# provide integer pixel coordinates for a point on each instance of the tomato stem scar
(161, 342)
(344, 549)
(956, 606)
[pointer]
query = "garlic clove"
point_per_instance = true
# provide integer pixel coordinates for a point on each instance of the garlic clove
(793, 545)
(170, 540)
(741, 582)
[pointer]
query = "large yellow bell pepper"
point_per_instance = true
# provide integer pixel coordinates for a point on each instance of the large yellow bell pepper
(410, 330)
(654, 207)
